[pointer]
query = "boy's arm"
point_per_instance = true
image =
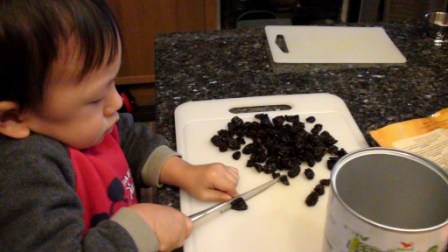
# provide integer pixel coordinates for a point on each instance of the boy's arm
(39, 207)
(145, 151)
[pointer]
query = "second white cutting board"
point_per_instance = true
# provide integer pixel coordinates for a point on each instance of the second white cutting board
(332, 44)
(277, 219)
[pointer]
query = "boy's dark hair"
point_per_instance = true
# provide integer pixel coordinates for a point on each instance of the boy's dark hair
(31, 32)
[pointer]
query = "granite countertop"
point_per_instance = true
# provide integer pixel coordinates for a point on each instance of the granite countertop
(237, 63)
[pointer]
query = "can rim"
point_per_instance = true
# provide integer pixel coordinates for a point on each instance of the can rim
(381, 150)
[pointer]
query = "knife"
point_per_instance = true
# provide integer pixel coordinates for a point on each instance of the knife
(223, 207)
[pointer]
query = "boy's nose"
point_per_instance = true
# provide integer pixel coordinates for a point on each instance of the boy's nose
(114, 103)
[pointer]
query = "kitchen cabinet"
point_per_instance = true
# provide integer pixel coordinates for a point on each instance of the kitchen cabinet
(141, 20)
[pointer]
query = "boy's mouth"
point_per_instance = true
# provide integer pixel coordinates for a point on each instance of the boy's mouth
(109, 130)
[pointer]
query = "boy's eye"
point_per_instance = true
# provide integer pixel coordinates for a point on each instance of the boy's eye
(97, 101)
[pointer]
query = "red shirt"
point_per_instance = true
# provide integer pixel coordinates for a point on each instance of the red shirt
(103, 179)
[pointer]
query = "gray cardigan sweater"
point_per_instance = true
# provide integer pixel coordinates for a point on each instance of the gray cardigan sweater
(39, 207)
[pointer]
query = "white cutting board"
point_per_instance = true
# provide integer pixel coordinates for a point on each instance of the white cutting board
(277, 219)
(332, 44)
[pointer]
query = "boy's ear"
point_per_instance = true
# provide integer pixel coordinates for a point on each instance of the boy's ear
(11, 123)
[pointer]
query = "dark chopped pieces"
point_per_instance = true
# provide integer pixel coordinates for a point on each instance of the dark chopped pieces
(219, 142)
(319, 189)
(238, 204)
(216, 140)
(284, 179)
(324, 182)
(258, 167)
(309, 173)
(316, 129)
(333, 150)
(331, 162)
(249, 148)
(234, 144)
(327, 139)
(237, 121)
(269, 168)
(310, 119)
(241, 140)
(309, 157)
(294, 172)
(278, 121)
(236, 155)
(223, 148)
(319, 153)
(312, 199)
(341, 152)
(275, 175)
(292, 118)
(224, 133)
(264, 120)
(279, 146)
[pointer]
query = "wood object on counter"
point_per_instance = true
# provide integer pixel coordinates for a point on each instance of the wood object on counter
(141, 20)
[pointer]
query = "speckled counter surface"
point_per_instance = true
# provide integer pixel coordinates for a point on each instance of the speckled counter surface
(236, 63)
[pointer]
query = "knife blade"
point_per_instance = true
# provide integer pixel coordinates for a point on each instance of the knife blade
(224, 206)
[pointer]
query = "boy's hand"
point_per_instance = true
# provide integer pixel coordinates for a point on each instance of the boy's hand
(170, 226)
(210, 182)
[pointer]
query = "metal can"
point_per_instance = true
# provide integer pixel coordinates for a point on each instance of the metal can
(387, 200)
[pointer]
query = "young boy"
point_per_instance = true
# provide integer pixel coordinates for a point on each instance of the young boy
(70, 165)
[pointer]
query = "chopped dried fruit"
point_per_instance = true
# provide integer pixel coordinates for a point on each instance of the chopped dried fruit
(279, 146)
(292, 118)
(319, 189)
(310, 159)
(236, 155)
(309, 173)
(319, 153)
(341, 152)
(258, 167)
(234, 144)
(275, 175)
(238, 204)
(278, 121)
(310, 119)
(312, 199)
(223, 148)
(284, 180)
(294, 172)
(324, 182)
(331, 162)
(241, 140)
(327, 139)
(332, 149)
(237, 121)
(249, 149)
(316, 129)
(217, 141)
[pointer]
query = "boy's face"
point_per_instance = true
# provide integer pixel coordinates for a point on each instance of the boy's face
(77, 112)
